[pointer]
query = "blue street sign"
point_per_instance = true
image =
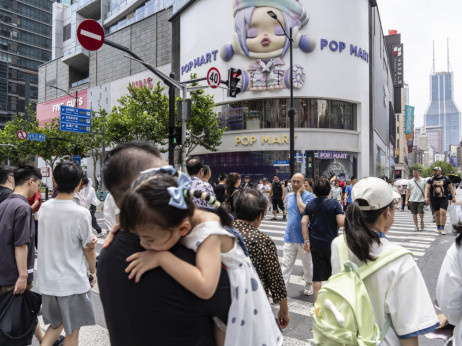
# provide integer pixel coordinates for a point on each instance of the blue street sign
(77, 159)
(75, 119)
(281, 163)
(38, 137)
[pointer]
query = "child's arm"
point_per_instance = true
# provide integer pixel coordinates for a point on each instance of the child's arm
(202, 279)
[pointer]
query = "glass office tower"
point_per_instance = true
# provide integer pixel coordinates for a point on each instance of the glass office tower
(442, 111)
(25, 43)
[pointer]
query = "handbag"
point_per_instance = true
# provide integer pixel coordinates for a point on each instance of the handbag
(18, 317)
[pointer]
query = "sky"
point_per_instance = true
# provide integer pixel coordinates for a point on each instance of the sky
(420, 22)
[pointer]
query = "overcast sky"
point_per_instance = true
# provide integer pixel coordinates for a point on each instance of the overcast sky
(420, 22)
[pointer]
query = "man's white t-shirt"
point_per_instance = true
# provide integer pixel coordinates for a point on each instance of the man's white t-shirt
(397, 290)
(65, 229)
(110, 211)
(265, 189)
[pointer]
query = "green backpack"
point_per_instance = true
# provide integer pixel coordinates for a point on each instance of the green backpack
(343, 313)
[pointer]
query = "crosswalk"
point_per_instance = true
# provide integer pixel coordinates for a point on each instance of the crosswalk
(402, 233)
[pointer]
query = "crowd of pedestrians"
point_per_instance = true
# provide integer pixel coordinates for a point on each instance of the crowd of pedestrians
(186, 263)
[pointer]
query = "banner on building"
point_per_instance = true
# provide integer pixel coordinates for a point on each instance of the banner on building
(397, 66)
(453, 161)
(408, 122)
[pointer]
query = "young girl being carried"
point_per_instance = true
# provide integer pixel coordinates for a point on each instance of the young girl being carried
(160, 210)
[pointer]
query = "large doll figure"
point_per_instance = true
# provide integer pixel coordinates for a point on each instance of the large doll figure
(260, 37)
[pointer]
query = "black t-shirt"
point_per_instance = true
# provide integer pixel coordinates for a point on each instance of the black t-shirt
(220, 192)
(16, 228)
(324, 229)
(157, 310)
(277, 190)
(439, 187)
(4, 193)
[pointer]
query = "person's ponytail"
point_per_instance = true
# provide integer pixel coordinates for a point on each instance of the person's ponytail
(359, 232)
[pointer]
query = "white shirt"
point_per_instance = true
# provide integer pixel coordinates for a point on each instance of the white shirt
(449, 290)
(65, 229)
(397, 290)
(110, 211)
(265, 189)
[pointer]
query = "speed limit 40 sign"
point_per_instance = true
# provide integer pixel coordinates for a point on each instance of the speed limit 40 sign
(213, 78)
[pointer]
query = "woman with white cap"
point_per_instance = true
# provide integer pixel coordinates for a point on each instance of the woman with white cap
(397, 290)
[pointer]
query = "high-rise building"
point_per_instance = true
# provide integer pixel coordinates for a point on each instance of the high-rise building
(25, 43)
(443, 111)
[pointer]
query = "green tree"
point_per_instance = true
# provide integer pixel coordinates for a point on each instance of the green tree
(142, 115)
(203, 121)
(416, 166)
(446, 168)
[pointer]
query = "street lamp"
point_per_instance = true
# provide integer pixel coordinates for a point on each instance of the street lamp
(292, 110)
(76, 97)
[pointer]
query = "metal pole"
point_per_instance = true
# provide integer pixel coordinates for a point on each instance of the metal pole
(171, 122)
(183, 129)
(292, 111)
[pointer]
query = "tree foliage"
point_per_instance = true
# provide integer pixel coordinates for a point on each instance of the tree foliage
(446, 168)
(203, 121)
(142, 115)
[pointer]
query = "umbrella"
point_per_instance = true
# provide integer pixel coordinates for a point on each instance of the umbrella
(401, 182)
(455, 179)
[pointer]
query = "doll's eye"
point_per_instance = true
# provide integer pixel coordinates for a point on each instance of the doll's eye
(252, 33)
(278, 31)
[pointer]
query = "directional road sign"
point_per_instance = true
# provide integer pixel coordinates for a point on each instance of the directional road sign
(213, 78)
(38, 137)
(75, 119)
(281, 163)
(22, 135)
(77, 159)
(90, 34)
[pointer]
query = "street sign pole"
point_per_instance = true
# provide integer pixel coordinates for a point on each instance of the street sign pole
(171, 122)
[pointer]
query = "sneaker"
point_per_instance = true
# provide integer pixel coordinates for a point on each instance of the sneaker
(60, 341)
(284, 217)
(416, 229)
(443, 232)
(274, 218)
(438, 231)
(433, 220)
(308, 290)
(422, 225)
(101, 234)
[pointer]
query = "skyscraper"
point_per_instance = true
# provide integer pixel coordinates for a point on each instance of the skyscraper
(25, 43)
(442, 110)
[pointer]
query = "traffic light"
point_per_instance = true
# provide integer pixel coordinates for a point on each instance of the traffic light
(234, 77)
(177, 137)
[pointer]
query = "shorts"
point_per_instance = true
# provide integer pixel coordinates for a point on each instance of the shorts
(322, 269)
(438, 204)
(416, 207)
(73, 311)
(278, 202)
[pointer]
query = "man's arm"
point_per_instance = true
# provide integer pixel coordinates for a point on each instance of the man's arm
(301, 206)
(407, 196)
(90, 256)
(20, 254)
(340, 220)
(427, 193)
(35, 204)
(453, 194)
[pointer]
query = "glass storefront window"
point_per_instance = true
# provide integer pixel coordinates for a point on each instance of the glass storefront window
(273, 113)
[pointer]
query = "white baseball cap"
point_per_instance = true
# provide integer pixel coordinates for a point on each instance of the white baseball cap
(376, 192)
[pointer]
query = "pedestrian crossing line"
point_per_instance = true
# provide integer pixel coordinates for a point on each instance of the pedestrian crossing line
(288, 341)
(297, 306)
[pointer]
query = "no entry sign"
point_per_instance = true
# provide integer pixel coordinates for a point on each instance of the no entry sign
(22, 135)
(213, 78)
(90, 34)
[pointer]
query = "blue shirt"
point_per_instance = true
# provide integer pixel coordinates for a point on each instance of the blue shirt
(325, 227)
(348, 191)
(294, 217)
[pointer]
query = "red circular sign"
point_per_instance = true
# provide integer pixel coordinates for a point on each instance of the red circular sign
(213, 78)
(90, 34)
(22, 135)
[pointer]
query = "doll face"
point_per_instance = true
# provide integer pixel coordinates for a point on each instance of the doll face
(265, 35)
